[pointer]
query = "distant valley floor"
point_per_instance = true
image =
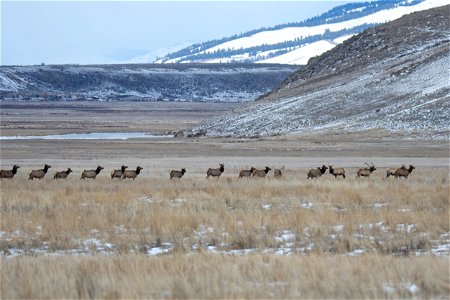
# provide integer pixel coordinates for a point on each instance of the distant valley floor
(59, 117)
(42, 118)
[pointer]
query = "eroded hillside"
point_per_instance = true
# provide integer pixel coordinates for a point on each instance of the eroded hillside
(141, 82)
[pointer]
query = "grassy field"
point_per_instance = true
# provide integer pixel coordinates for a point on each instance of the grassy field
(280, 231)
(375, 237)
(213, 276)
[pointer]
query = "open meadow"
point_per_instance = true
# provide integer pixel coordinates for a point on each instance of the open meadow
(224, 237)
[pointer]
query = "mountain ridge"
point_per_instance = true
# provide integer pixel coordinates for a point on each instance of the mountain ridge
(279, 44)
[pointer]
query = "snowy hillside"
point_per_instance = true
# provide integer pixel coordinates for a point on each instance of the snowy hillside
(297, 43)
(141, 82)
(392, 77)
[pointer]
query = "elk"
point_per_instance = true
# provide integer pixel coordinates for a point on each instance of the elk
(177, 174)
(132, 173)
(261, 173)
(336, 171)
(391, 171)
(277, 173)
(62, 174)
(246, 173)
(215, 172)
(39, 174)
(91, 173)
(315, 173)
(365, 172)
(9, 173)
(403, 172)
(118, 173)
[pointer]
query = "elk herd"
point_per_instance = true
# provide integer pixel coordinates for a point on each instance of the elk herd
(123, 173)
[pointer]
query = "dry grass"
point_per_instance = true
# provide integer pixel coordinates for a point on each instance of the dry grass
(201, 222)
(242, 213)
(214, 276)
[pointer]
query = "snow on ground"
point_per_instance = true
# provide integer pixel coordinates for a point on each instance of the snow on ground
(287, 243)
(8, 84)
(408, 286)
(300, 56)
(216, 240)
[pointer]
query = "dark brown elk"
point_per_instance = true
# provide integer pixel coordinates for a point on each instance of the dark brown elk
(316, 173)
(118, 173)
(62, 174)
(177, 174)
(215, 172)
(91, 173)
(39, 174)
(277, 173)
(246, 173)
(261, 173)
(404, 172)
(132, 173)
(9, 173)
(365, 172)
(336, 171)
(391, 171)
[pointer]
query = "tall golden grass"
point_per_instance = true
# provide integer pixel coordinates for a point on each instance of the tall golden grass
(219, 277)
(325, 219)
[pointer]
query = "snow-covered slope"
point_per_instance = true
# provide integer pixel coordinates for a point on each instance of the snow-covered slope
(296, 44)
(392, 77)
(302, 54)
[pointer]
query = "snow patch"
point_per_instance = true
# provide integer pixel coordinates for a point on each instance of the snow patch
(407, 286)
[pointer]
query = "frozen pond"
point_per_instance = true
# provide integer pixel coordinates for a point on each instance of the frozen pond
(88, 136)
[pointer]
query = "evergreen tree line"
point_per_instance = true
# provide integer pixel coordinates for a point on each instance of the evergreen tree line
(338, 14)
(282, 47)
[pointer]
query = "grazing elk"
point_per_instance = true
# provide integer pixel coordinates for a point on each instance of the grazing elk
(315, 173)
(336, 171)
(404, 172)
(118, 173)
(39, 174)
(177, 174)
(9, 173)
(391, 171)
(91, 173)
(215, 172)
(246, 173)
(132, 173)
(365, 172)
(277, 173)
(62, 174)
(261, 173)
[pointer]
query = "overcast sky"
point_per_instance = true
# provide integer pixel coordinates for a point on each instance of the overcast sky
(99, 32)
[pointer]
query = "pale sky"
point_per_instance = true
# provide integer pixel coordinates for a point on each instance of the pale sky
(100, 32)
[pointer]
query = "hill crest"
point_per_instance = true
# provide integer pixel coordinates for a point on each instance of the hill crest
(296, 43)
